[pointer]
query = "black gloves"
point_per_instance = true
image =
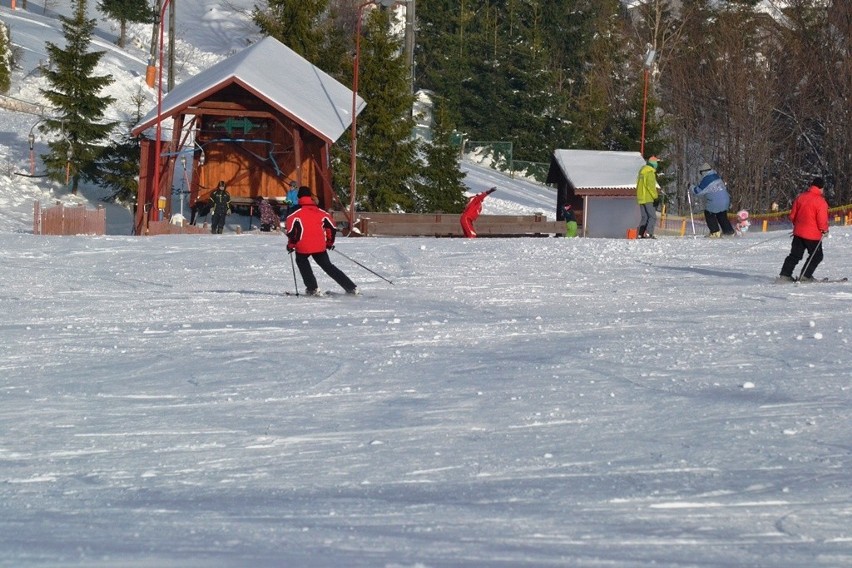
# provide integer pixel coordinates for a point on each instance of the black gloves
(492, 190)
(657, 202)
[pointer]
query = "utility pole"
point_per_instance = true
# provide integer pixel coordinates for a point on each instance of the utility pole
(171, 79)
(151, 72)
(409, 41)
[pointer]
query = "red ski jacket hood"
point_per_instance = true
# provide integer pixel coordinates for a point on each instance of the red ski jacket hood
(810, 214)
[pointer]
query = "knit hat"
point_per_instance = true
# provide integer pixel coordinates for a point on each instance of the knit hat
(293, 185)
(705, 167)
(304, 191)
(818, 182)
(652, 161)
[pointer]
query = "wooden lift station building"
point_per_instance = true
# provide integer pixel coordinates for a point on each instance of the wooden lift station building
(257, 121)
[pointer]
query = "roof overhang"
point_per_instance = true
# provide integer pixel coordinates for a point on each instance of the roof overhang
(598, 170)
(605, 192)
(280, 78)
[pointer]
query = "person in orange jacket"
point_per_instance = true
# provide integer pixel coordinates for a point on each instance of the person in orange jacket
(310, 234)
(472, 211)
(810, 223)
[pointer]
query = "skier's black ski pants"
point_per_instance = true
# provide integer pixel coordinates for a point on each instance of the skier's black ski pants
(797, 251)
(322, 260)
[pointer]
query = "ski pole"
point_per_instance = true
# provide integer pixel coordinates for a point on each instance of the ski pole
(293, 265)
(810, 256)
(764, 241)
(362, 266)
(689, 199)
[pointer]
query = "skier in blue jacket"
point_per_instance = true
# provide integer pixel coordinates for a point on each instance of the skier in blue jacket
(292, 198)
(717, 200)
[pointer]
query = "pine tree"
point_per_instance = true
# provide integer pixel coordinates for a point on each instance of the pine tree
(5, 59)
(127, 11)
(442, 56)
(523, 64)
(74, 92)
(605, 111)
(387, 152)
(118, 170)
(295, 23)
(119, 163)
(441, 187)
(510, 70)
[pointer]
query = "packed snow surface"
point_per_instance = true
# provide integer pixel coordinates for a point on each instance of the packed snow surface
(511, 402)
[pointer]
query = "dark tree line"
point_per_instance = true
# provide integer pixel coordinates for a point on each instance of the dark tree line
(762, 96)
(541, 74)
(395, 172)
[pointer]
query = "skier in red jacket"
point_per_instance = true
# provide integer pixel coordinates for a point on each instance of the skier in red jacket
(472, 211)
(810, 222)
(310, 233)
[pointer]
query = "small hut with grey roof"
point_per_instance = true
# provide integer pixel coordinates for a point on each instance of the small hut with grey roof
(600, 186)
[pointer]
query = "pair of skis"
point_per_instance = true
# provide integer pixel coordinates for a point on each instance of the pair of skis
(324, 294)
(824, 280)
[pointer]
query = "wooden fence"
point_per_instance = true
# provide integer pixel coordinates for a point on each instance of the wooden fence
(167, 228)
(446, 225)
(63, 220)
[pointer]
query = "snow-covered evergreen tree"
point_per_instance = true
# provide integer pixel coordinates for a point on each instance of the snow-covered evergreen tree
(441, 187)
(387, 152)
(6, 61)
(74, 92)
(127, 11)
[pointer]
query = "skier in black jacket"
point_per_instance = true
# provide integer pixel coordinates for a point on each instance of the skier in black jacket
(221, 201)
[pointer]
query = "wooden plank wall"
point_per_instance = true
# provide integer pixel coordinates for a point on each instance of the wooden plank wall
(62, 220)
(167, 228)
(446, 225)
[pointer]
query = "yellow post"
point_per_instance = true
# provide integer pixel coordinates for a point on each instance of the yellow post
(765, 224)
(683, 227)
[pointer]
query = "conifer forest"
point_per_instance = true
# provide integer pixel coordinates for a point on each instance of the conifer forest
(758, 88)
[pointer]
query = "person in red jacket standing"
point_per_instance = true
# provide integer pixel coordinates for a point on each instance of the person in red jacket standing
(810, 222)
(472, 211)
(310, 233)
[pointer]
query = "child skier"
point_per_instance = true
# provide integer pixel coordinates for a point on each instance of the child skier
(742, 222)
(570, 221)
